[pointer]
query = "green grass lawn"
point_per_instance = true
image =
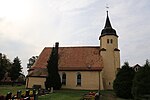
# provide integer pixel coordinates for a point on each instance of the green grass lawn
(77, 95)
(57, 95)
(4, 89)
(64, 95)
(60, 94)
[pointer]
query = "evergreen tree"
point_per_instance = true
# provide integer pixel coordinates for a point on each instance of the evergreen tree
(53, 78)
(4, 65)
(123, 83)
(141, 82)
(2, 70)
(32, 61)
(16, 69)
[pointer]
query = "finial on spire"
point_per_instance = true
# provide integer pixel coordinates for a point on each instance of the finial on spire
(107, 7)
(107, 24)
(107, 12)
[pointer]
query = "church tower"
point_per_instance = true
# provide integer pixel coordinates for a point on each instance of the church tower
(110, 54)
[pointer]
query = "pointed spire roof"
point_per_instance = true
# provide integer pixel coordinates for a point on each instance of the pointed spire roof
(108, 30)
(107, 24)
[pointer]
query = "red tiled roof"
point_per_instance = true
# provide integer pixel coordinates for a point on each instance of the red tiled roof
(42, 59)
(73, 59)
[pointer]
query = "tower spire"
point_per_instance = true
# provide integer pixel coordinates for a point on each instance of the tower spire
(107, 24)
(108, 30)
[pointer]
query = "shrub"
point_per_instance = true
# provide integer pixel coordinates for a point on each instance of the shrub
(141, 82)
(123, 83)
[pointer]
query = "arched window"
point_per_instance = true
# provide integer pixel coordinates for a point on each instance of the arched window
(111, 41)
(64, 79)
(108, 41)
(78, 79)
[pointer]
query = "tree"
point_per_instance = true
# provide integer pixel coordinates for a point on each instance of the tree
(4, 65)
(53, 78)
(141, 82)
(32, 61)
(123, 83)
(2, 70)
(16, 69)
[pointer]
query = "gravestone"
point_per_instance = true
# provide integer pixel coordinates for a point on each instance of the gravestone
(19, 94)
(8, 96)
(2, 97)
(27, 93)
(36, 96)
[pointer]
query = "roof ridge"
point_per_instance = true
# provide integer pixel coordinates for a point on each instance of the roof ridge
(76, 47)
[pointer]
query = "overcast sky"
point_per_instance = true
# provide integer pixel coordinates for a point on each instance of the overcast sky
(27, 26)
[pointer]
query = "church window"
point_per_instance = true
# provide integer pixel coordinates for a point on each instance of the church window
(64, 79)
(108, 41)
(78, 79)
(111, 41)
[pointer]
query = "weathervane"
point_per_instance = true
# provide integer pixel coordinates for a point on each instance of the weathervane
(107, 7)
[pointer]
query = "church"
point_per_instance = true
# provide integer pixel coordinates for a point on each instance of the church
(82, 67)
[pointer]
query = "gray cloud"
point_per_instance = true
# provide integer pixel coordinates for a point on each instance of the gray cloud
(14, 48)
(77, 23)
